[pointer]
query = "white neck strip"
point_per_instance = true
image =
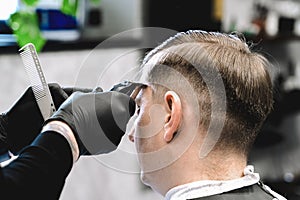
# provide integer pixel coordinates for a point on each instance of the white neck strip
(208, 188)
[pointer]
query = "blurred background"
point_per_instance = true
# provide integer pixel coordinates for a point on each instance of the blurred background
(83, 43)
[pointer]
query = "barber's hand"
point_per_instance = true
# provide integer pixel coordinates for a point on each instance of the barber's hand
(23, 122)
(97, 119)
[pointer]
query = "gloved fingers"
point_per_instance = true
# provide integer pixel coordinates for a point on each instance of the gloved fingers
(58, 94)
(97, 89)
(71, 90)
(115, 118)
(24, 119)
(126, 87)
(131, 105)
(22, 122)
(98, 119)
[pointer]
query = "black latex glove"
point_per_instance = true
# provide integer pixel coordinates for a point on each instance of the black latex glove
(126, 87)
(98, 120)
(23, 122)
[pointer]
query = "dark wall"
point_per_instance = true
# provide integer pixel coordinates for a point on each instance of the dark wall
(180, 15)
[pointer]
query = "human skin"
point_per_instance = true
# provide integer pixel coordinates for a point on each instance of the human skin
(154, 134)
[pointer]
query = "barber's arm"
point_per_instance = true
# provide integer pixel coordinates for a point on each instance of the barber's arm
(40, 170)
(85, 123)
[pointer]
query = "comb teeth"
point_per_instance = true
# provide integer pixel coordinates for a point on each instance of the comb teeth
(32, 66)
(38, 83)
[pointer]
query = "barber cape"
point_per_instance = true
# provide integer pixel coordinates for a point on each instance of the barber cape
(247, 187)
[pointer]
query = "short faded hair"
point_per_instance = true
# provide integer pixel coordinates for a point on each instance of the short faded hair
(244, 73)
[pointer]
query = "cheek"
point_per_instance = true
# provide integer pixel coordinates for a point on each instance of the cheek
(148, 128)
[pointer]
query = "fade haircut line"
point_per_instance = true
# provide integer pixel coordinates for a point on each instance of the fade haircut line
(245, 75)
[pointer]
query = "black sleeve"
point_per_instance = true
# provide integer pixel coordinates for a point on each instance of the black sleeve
(40, 170)
(2, 131)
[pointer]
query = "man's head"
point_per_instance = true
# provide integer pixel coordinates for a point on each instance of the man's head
(194, 79)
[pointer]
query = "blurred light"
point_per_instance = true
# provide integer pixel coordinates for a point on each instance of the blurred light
(7, 8)
(289, 177)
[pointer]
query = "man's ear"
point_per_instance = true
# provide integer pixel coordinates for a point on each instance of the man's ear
(173, 118)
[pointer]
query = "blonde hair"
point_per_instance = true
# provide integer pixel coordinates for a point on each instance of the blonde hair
(244, 73)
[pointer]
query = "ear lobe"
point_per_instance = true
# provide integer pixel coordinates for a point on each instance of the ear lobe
(173, 120)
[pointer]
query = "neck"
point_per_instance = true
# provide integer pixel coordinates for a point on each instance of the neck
(215, 166)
